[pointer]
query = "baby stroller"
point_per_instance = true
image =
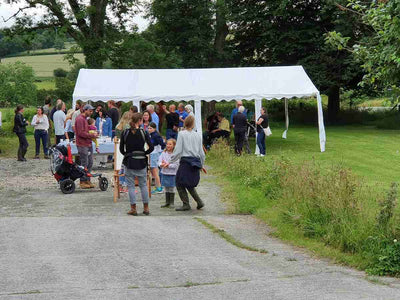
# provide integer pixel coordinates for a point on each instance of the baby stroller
(65, 171)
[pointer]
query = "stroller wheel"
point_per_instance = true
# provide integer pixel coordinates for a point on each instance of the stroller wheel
(67, 186)
(103, 183)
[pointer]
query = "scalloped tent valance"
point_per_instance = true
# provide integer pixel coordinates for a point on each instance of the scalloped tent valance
(199, 85)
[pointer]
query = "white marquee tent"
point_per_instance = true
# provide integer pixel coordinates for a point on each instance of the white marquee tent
(198, 85)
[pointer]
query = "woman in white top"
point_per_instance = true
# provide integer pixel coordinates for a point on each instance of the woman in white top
(41, 125)
(69, 132)
(189, 152)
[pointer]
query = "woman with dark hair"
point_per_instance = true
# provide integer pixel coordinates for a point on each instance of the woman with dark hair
(135, 160)
(41, 125)
(20, 129)
(146, 120)
(189, 151)
(262, 123)
(104, 123)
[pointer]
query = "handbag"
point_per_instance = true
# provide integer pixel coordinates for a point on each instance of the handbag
(267, 131)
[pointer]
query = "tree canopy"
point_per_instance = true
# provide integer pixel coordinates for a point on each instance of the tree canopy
(379, 50)
(17, 84)
(292, 32)
(95, 25)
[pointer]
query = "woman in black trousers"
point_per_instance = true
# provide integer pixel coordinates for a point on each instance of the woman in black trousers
(189, 152)
(20, 129)
(239, 124)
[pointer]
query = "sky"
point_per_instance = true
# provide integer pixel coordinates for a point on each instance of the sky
(7, 10)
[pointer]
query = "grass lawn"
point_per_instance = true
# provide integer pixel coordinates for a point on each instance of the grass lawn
(44, 65)
(48, 84)
(371, 153)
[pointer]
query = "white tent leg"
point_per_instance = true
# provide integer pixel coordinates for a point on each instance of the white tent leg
(321, 127)
(286, 119)
(197, 113)
(258, 104)
(137, 104)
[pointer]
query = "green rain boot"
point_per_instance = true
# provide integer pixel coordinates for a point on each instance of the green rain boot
(167, 200)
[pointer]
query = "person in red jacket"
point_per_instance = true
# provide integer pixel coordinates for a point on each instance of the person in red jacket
(84, 143)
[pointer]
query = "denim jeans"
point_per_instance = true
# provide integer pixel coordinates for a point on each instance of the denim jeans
(122, 180)
(261, 141)
(170, 134)
(86, 156)
(41, 135)
(141, 175)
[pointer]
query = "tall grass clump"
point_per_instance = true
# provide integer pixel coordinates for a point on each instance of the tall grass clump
(329, 205)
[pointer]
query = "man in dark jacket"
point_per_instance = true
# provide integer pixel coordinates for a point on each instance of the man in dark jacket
(113, 114)
(172, 122)
(239, 123)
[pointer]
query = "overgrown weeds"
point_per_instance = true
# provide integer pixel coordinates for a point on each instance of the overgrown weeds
(328, 205)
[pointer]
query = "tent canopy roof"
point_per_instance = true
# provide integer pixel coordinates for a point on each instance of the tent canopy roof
(193, 84)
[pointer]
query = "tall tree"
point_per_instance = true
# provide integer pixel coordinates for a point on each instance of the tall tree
(291, 32)
(195, 30)
(95, 25)
(185, 27)
(378, 48)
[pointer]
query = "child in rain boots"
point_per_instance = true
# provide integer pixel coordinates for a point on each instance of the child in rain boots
(168, 171)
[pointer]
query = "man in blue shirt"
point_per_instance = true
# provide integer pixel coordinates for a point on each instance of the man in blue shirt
(154, 116)
(234, 112)
(182, 114)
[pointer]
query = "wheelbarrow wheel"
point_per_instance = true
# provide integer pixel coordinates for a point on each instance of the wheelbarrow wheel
(103, 183)
(67, 186)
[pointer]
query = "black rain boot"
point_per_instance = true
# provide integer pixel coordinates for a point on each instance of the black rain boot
(167, 200)
(20, 154)
(185, 199)
(196, 197)
(23, 154)
(171, 199)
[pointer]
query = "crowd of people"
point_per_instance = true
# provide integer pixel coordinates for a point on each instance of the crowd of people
(174, 162)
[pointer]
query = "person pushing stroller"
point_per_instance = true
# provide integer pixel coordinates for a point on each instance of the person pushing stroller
(84, 143)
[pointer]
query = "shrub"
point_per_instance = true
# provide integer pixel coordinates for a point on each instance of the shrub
(60, 72)
(17, 84)
(390, 121)
(42, 94)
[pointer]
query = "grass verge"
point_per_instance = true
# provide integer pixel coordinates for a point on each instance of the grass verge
(326, 208)
(230, 239)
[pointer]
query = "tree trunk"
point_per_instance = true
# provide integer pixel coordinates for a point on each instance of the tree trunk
(94, 54)
(221, 32)
(333, 104)
(209, 107)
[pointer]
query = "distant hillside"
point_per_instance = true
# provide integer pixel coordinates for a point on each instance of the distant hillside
(43, 65)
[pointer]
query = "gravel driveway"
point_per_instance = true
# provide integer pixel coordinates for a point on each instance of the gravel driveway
(84, 246)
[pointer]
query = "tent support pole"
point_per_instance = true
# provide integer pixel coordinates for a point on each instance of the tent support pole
(321, 127)
(286, 119)
(137, 104)
(197, 114)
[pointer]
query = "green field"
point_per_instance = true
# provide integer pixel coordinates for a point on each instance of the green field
(68, 45)
(44, 65)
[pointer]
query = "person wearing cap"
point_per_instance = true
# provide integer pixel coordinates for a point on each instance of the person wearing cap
(84, 143)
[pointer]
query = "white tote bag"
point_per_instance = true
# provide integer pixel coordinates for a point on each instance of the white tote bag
(267, 131)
